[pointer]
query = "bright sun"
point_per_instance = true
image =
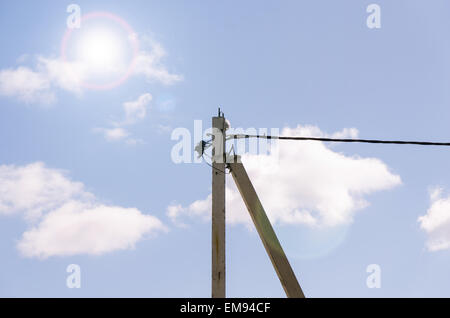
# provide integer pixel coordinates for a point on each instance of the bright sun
(100, 49)
(103, 51)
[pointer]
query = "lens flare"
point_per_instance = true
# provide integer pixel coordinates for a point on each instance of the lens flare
(105, 47)
(311, 243)
(100, 49)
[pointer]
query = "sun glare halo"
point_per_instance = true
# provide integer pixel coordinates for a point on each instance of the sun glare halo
(100, 49)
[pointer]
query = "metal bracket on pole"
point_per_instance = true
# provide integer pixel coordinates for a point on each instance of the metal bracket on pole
(263, 226)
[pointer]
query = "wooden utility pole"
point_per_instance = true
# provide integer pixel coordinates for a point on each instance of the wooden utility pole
(266, 233)
(218, 206)
(268, 237)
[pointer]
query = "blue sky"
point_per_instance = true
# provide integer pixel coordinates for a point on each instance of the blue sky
(268, 64)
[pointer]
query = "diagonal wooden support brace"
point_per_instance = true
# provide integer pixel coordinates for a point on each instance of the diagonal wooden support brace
(264, 227)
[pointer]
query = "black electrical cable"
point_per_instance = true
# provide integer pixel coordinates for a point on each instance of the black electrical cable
(371, 141)
(219, 170)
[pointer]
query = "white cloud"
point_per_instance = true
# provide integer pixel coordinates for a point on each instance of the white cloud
(26, 85)
(68, 76)
(137, 110)
(66, 219)
(40, 83)
(80, 228)
(34, 189)
(113, 134)
(149, 63)
(345, 133)
(436, 222)
(134, 111)
(308, 183)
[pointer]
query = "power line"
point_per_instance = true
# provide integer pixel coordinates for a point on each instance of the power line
(348, 140)
(217, 169)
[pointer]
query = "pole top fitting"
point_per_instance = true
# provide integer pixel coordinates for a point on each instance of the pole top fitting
(220, 113)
